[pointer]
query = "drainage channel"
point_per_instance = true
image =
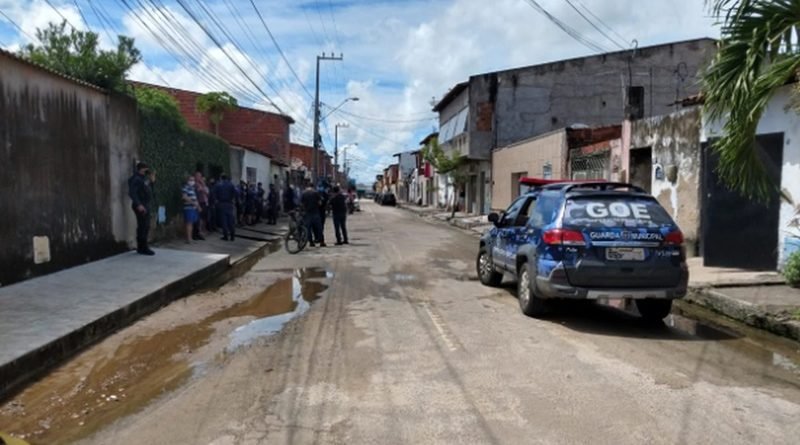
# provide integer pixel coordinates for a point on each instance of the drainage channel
(96, 388)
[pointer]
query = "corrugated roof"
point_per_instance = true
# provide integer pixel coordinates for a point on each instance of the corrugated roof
(455, 91)
(25, 61)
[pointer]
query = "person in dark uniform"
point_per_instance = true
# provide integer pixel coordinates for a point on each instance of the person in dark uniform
(339, 212)
(311, 203)
(323, 206)
(225, 197)
(260, 194)
(272, 205)
(288, 199)
(141, 194)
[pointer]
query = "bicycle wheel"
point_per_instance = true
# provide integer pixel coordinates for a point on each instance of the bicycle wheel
(295, 241)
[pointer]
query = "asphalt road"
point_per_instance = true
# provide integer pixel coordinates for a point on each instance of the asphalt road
(395, 341)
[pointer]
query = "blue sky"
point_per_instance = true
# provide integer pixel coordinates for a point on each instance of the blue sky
(398, 54)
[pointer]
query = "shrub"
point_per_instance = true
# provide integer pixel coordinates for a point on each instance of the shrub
(792, 269)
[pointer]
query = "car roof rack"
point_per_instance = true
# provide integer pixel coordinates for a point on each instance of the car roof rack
(603, 186)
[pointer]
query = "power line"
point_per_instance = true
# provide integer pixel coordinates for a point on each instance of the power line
(566, 28)
(225, 51)
(387, 121)
(590, 22)
(17, 26)
(280, 51)
(599, 20)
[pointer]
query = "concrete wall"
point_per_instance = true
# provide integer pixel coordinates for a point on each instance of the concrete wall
(526, 158)
(521, 103)
(67, 150)
(262, 165)
(675, 143)
(780, 118)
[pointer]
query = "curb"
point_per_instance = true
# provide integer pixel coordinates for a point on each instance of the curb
(743, 312)
(18, 373)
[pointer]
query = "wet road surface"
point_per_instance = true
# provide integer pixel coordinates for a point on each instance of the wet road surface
(393, 340)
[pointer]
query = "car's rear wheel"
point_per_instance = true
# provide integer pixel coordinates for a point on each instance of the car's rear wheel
(487, 273)
(654, 310)
(530, 304)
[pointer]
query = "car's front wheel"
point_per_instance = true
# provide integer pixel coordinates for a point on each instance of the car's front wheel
(487, 273)
(530, 304)
(654, 310)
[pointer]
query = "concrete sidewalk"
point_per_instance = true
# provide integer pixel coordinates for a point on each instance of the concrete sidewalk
(48, 319)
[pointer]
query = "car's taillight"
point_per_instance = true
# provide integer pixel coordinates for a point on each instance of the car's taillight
(561, 237)
(674, 238)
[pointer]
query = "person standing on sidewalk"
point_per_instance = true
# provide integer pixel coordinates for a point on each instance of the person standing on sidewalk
(272, 205)
(140, 192)
(225, 197)
(202, 199)
(311, 203)
(191, 208)
(211, 213)
(260, 194)
(339, 212)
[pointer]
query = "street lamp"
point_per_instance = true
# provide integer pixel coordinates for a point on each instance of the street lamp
(349, 99)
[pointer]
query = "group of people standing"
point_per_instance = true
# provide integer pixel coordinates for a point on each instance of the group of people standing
(226, 205)
(207, 206)
(214, 205)
(315, 204)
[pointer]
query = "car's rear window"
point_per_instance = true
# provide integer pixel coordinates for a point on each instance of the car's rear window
(613, 211)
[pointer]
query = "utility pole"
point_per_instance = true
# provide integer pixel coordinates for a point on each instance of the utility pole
(316, 143)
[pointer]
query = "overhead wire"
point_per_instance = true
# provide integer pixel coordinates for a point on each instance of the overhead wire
(601, 22)
(239, 48)
(11, 21)
(105, 26)
(597, 28)
(280, 51)
(572, 32)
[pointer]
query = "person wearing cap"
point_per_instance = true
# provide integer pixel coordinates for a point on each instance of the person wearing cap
(141, 194)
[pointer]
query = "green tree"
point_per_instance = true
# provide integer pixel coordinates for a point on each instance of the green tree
(452, 166)
(76, 53)
(157, 103)
(756, 57)
(215, 104)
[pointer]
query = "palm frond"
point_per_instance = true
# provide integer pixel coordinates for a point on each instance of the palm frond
(758, 54)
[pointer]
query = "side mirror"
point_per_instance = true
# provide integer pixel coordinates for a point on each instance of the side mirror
(494, 218)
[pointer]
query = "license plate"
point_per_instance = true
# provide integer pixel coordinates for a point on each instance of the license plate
(625, 254)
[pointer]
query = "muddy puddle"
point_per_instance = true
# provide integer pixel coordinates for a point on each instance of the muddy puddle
(98, 386)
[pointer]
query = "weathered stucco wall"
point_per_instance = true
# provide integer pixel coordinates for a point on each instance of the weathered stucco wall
(64, 177)
(676, 150)
(543, 98)
(527, 158)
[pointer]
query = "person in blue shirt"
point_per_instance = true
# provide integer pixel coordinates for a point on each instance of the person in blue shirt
(225, 197)
(191, 207)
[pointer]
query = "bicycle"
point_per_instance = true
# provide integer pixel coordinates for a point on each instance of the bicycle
(297, 238)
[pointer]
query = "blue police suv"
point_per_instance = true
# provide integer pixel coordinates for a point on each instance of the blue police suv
(592, 241)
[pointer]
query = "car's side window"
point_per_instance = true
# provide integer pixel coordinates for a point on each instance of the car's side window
(513, 211)
(525, 212)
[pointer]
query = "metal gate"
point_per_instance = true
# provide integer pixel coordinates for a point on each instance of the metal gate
(738, 232)
(589, 167)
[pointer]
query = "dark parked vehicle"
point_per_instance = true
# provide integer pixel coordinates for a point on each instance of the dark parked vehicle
(388, 199)
(591, 241)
